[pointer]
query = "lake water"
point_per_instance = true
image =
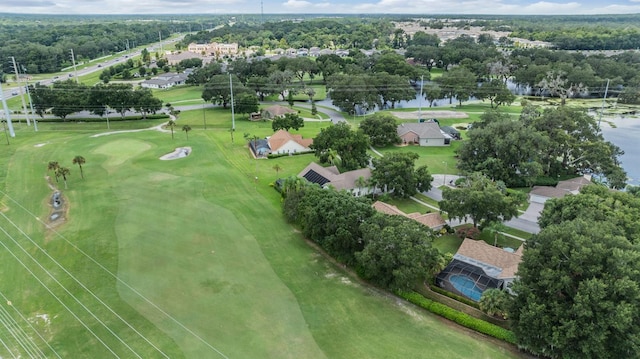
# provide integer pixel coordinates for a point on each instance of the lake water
(626, 135)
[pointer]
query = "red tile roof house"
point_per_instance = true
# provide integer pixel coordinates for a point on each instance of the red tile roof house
(478, 266)
(423, 134)
(284, 142)
(431, 220)
(331, 177)
(540, 194)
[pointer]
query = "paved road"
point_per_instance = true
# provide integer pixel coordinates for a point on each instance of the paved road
(527, 222)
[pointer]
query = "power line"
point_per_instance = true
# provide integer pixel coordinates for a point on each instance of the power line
(53, 294)
(83, 286)
(19, 335)
(29, 324)
(119, 280)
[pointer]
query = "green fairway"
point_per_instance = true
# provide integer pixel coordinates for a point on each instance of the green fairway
(188, 258)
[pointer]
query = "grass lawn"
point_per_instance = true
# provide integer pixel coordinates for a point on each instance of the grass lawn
(199, 238)
(408, 205)
(447, 244)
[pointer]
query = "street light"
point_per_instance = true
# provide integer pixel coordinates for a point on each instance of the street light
(446, 169)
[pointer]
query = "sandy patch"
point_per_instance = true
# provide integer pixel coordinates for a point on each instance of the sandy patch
(40, 144)
(429, 114)
(180, 152)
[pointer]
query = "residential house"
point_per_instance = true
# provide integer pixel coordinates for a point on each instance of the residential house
(284, 142)
(274, 111)
(478, 266)
(541, 194)
(432, 220)
(167, 80)
(314, 51)
(331, 177)
(424, 134)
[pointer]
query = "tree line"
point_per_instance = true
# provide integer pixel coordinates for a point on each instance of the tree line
(67, 97)
(552, 143)
(393, 252)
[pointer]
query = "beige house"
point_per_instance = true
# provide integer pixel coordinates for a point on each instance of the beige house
(274, 111)
(283, 142)
(214, 49)
(423, 134)
(478, 266)
(431, 220)
(331, 177)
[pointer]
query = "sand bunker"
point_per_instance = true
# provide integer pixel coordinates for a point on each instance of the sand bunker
(180, 152)
(429, 114)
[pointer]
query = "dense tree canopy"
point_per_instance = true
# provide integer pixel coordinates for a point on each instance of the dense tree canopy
(482, 200)
(350, 145)
(391, 251)
(555, 142)
(381, 128)
(397, 253)
(396, 173)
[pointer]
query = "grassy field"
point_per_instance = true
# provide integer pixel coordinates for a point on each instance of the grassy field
(187, 258)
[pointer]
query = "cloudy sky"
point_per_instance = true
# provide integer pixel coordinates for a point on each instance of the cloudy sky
(525, 7)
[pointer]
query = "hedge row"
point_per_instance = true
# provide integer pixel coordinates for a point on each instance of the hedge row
(461, 318)
(103, 119)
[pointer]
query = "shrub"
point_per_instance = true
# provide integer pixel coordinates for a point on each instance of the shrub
(468, 232)
(461, 318)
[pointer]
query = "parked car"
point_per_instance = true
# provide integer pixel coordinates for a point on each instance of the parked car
(14, 92)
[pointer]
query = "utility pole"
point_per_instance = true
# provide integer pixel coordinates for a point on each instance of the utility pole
(420, 103)
(6, 112)
(75, 69)
(160, 36)
(233, 114)
(602, 109)
(35, 122)
(24, 105)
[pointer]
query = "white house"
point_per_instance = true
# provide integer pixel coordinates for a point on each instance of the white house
(167, 80)
(284, 142)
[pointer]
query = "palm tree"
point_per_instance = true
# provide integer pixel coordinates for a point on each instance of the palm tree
(277, 168)
(79, 160)
(361, 182)
(333, 157)
(494, 302)
(186, 129)
(171, 124)
(63, 172)
(496, 228)
(53, 166)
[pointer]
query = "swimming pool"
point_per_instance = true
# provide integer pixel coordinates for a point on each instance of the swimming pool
(466, 286)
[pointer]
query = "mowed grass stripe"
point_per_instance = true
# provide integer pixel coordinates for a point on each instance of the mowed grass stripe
(195, 260)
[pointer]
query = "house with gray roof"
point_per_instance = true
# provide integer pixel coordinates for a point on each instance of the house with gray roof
(164, 81)
(331, 177)
(541, 194)
(423, 134)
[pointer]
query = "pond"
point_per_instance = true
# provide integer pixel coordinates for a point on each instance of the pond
(625, 135)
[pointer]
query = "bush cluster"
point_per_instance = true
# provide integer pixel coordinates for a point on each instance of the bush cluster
(468, 232)
(459, 317)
